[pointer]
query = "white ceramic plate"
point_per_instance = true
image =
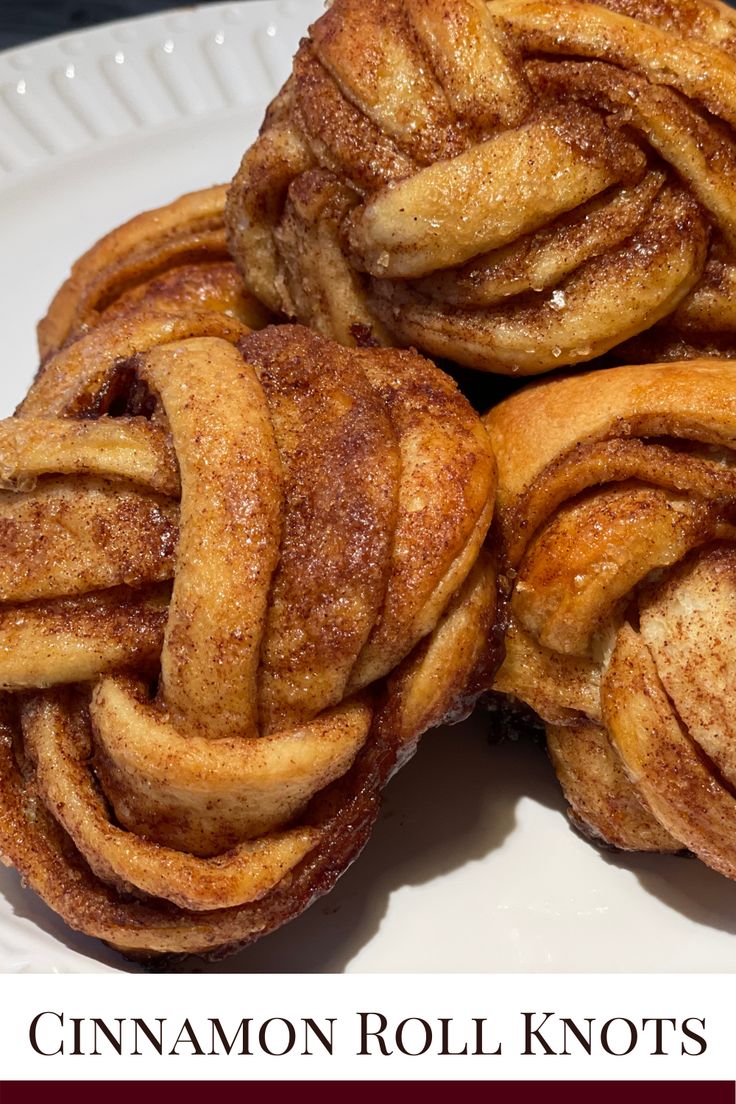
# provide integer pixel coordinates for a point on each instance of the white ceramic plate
(472, 866)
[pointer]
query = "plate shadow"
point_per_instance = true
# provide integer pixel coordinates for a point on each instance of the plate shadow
(453, 804)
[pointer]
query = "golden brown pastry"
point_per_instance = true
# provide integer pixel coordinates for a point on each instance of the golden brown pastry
(240, 573)
(175, 258)
(617, 512)
(513, 184)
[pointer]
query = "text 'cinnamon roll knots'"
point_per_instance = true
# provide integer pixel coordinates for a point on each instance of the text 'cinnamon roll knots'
(512, 184)
(617, 512)
(240, 574)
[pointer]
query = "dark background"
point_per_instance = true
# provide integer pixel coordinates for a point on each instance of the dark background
(23, 20)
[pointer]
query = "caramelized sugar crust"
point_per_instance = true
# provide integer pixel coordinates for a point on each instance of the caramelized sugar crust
(175, 257)
(242, 572)
(616, 511)
(512, 184)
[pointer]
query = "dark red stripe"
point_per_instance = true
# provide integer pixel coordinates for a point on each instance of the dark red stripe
(369, 1092)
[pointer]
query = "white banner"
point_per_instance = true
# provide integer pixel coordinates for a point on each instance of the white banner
(364, 1027)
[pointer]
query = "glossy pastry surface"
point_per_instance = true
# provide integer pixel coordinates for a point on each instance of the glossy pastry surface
(242, 573)
(174, 257)
(616, 510)
(513, 184)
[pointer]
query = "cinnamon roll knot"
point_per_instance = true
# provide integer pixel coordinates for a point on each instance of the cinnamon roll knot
(617, 512)
(240, 574)
(173, 260)
(512, 184)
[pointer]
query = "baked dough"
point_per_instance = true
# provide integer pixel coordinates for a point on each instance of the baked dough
(241, 573)
(515, 185)
(616, 514)
(175, 257)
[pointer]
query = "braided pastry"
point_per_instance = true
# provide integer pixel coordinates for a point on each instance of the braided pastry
(618, 523)
(513, 184)
(174, 259)
(240, 574)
